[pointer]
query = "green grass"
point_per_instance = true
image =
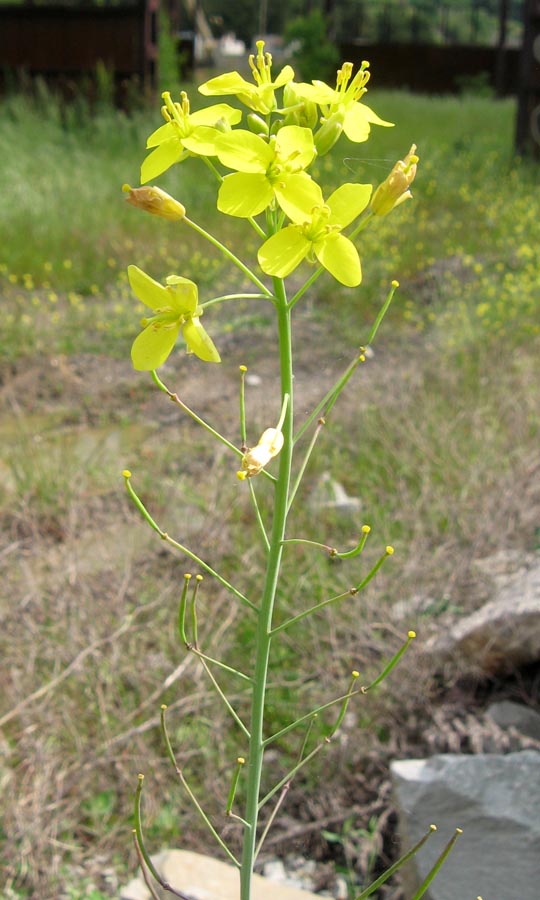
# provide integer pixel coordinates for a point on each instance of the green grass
(437, 435)
(67, 235)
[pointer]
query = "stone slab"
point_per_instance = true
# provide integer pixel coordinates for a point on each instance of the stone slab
(496, 801)
(203, 878)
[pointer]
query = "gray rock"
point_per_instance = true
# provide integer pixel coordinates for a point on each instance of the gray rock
(500, 636)
(496, 801)
(507, 714)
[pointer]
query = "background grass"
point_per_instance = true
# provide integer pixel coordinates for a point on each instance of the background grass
(437, 437)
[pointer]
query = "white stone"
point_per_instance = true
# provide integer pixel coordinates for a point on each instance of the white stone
(203, 878)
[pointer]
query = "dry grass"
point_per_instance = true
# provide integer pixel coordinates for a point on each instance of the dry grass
(442, 456)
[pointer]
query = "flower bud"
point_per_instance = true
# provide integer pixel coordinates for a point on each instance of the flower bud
(155, 201)
(258, 457)
(395, 189)
(256, 124)
(329, 133)
(298, 110)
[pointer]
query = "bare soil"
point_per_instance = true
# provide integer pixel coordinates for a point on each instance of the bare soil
(75, 563)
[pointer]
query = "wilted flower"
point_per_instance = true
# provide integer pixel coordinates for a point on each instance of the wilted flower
(155, 201)
(395, 189)
(176, 308)
(254, 460)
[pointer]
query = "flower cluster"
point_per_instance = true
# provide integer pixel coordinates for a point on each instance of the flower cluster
(264, 171)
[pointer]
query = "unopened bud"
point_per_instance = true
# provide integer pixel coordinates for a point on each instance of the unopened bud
(256, 124)
(298, 110)
(395, 189)
(155, 201)
(329, 133)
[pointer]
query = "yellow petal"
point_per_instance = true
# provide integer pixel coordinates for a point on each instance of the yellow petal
(162, 158)
(199, 342)
(148, 291)
(152, 347)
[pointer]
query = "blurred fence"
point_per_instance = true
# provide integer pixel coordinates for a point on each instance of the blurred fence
(528, 117)
(437, 68)
(67, 44)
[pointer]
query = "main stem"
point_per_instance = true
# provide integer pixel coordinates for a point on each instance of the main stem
(264, 627)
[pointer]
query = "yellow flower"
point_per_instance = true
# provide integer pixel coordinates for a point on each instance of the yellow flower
(315, 232)
(176, 307)
(183, 133)
(265, 170)
(259, 96)
(341, 105)
(395, 189)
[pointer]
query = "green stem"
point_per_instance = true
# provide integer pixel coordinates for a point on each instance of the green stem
(221, 693)
(273, 815)
(217, 662)
(307, 612)
(189, 792)
(440, 862)
(305, 461)
(193, 415)
(351, 592)
(360, 227)
(258, 515)
(308, 716)
(326, 547)
(232, 793)
(382, 312)
(306, 286)
(292, 772)
(141, 849)
(393, 662)
(229, 254)
(226, 297)
(264, 627)
(397, 865)
(169, 540)
(330, 398)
